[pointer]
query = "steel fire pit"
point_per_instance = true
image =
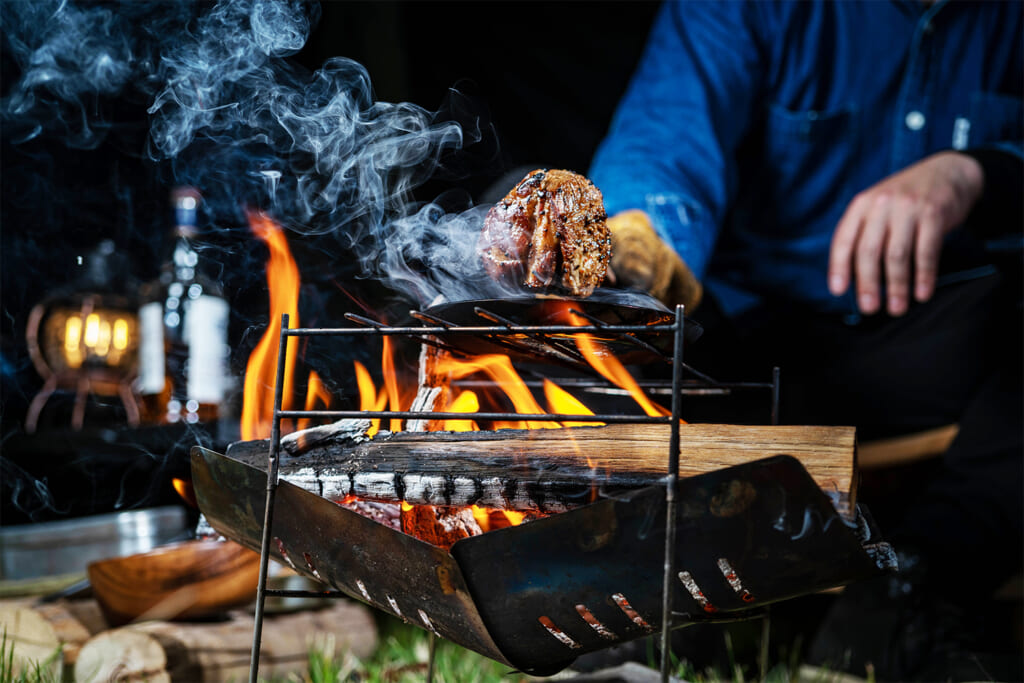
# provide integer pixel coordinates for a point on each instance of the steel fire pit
(538, 595)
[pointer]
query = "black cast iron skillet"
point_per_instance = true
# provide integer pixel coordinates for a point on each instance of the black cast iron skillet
(605, 308)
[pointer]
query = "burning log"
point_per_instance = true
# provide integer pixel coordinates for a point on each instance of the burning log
(545, 470)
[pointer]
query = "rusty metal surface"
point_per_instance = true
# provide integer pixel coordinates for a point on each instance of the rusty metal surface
(538, 595)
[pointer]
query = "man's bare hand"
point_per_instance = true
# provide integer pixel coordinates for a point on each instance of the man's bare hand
(895, 228)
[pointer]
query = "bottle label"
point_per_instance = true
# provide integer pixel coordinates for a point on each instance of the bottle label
(151, 348)
(207, 333)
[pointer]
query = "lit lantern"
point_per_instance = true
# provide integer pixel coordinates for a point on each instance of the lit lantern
(84, 342)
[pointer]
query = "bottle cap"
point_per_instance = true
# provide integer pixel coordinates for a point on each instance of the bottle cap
(186, 208)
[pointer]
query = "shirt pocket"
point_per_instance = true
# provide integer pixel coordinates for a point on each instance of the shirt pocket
(993, 118)
(805, 161)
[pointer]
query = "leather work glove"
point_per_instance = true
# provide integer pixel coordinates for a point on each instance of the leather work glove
(641, 259)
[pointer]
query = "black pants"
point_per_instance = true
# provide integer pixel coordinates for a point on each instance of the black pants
(955, 359)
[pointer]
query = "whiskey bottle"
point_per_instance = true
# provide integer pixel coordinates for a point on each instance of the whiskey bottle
(183, 345)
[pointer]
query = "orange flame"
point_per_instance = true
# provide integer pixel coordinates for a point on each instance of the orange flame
(466, 402)
(316, 393)
(185, 490)
(260, 373)
(499, 368)
(561, 402)
(368, 397)
(602, 360)
(391, 383)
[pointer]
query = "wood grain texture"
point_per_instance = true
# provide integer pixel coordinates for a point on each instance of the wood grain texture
(197, 652)
(178, 581)
(35, 632)
(550, 469)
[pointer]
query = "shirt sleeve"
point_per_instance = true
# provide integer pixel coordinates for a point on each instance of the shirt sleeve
(1000, 210)
(672, 144)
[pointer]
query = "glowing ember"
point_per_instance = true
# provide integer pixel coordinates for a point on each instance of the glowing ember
(490, 519)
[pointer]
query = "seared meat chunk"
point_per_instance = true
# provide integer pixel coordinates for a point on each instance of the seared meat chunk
(549, 230)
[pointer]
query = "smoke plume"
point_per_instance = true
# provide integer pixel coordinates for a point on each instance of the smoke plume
(230, 114)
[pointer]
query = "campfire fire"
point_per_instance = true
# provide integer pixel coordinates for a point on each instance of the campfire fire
(504, 385)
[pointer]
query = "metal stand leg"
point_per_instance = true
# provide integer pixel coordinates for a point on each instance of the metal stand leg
(268, 512)
(432, 644)
(671, 485)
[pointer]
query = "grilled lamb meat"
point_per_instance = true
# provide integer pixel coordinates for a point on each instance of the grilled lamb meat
(550, 229)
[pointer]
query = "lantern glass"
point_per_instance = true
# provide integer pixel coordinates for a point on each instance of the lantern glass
(102, 338)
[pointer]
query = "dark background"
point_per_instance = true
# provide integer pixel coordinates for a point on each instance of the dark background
(534, 84)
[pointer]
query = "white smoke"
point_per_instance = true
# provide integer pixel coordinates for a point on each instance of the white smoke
(228, 111)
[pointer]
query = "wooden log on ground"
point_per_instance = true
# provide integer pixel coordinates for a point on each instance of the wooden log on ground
(166, 652)
(548, 470)
(35, 632)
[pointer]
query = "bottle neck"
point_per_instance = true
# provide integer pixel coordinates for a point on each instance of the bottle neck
(186, 231)
(184, 258)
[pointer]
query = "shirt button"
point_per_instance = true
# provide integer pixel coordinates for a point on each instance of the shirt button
(914, 120)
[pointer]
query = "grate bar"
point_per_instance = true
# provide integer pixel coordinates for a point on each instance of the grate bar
(417, 331)
(519, 417)
(505, 343)
(540, 338)
(431, 341)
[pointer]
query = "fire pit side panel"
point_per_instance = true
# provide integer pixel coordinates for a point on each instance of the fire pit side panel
(586, 579)
(368, 561)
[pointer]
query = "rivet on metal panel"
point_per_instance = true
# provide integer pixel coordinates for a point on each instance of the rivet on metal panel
(601, 629)
(558, 633)
(734, 580)
(362, 589)
(428, 623)
(309, 563)
(696, 592)
(284, 553)
(394, 605)
(624, 605)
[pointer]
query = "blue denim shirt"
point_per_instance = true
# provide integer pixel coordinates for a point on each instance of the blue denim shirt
(749, 126)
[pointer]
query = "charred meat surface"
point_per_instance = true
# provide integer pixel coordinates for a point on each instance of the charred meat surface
(549, 230)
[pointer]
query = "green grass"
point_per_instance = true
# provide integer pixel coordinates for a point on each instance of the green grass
(46, 671)
(403, 654)
(402, 657)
